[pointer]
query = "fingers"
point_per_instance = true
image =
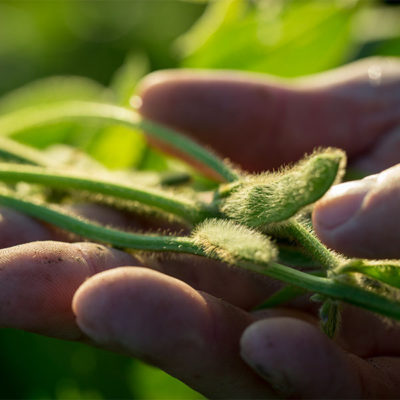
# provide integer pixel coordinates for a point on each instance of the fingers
(299, 361)
(360, 218)
(262, 123)
(38, 280)
(16, 228)
(383, 155)
(242, 288)
(161, 320)
(367, 334)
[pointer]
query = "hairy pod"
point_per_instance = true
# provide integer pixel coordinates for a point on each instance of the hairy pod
(270, 198)
(233, 243)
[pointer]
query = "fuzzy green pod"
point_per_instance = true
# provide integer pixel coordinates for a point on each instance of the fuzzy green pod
(269, 198)
(233, 243)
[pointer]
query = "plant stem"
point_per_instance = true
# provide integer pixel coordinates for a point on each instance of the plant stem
(325, 286)
(15, 151)
(309, 241)
(36, 116)
(96, 232)
(190, 211)
(329, 287)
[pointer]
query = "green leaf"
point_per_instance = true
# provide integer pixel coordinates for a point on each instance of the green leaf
(387, 271)
(233, 243)
(126, 78)
(118, 147)
(270, 198)
(287, 40)
(51, 91)
(282, 296)
(329, 314)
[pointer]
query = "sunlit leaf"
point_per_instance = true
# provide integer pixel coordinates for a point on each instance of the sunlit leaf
(118, 147)
(50, 91)
(303, 38)
(387, 271)
(128, 75)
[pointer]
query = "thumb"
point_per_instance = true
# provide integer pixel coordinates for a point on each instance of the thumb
(360, 218)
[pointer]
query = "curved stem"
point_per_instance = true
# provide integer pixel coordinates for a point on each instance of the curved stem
(318, 251)
(191, 211)
(36, 116)
(18, 152)
(329, 287)
(96, 232)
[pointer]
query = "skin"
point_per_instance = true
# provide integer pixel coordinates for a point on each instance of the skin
(192, 317)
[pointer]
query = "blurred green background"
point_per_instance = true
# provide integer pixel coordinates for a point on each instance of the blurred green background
(55, 50)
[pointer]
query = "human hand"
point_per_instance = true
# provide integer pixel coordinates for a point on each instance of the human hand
(195, 335)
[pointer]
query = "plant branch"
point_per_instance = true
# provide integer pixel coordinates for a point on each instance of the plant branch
(326, 286)
(10, 149)
(189, 210)
(318, 251)
(329, 287)
(97, 232)
(37, 116)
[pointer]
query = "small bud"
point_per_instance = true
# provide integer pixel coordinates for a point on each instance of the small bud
(232, 243)
(329, 317)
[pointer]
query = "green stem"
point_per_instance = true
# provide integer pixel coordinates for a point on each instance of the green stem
(309, 241)
(18, 152)
(96, 232)
(190, 211)
(329, 287)
(37, 116)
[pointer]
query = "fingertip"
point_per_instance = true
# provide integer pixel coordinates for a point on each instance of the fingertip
(297, 360)
(38, 281)
(129, 308)
(337, 209)
(359, 218)
(165, 322)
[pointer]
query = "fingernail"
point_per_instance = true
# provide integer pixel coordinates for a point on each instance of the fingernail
(341, 203)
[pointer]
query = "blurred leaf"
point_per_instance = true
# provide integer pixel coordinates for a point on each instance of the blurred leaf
(51, 368)
(303, 38)
(216, 16)
(153, 384)
(387, 47)
(52, 90)
(118, 147)
(125, 79)
(154, 160)
(390, 47)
